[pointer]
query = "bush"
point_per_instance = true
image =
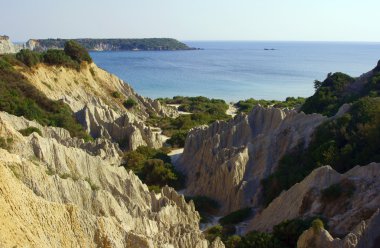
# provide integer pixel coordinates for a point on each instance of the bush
(5, 143)
(342, 143)
(129, 103)
(177, 139)
(60, 58)
(236, 217)
(77, 52)
(317, 225)
(28, 131)
(153, 167)
(116, 94)
(28, 57)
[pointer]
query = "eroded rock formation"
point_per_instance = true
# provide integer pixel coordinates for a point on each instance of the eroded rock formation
(56, 191)
(227, 160)
(305, 199)
(364, 235)
(96, 97)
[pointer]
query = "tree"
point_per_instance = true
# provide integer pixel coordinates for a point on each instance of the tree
(77, 52)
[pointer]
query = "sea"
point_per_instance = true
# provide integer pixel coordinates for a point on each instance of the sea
(238, 70)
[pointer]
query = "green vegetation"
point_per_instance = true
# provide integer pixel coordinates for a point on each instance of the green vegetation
(20, 98)
(77, 52)
(153, 44)
(28, 131)
(59, 58)
(342, 143)
(205, 206)
(72, 56)
(204, 111)
(290, 102)
(330, 95)
(317, 225)
(284, 235)
(29, 57)
(5, 143)
(93, 186)
(116, 94)
(129, 103)
(345, 189)
(235, 217)
(153, 167)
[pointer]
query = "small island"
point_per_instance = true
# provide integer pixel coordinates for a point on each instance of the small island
(149, 44)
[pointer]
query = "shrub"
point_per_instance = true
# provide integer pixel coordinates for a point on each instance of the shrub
(342, 143)
(77, 52)
(177, 139)
(28, 57)
(28, 131)
(116, 94)
(5, 143)
(153, 167)
(60, 58)
(129, 103)
(236, 217)
(317, 225)
(213, 232)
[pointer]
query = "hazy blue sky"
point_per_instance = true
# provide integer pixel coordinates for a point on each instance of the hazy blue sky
(316, 20)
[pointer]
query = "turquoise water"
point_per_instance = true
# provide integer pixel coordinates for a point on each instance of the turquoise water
(238, 70)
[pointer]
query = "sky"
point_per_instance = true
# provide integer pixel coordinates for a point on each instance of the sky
(283, 20)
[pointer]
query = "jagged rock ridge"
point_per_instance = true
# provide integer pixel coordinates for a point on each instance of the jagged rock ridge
(227, 160)
(89, 93)
(55, 193)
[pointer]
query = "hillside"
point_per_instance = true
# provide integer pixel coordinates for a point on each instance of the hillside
(150, 44)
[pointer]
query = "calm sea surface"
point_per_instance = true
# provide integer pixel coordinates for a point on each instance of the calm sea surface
(238, 70)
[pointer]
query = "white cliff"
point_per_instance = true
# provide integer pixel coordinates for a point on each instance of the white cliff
(56, 191)
(6, 45)
(227, 160)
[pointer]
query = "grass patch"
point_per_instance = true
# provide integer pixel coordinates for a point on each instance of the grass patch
(6, 143)
(205, 206)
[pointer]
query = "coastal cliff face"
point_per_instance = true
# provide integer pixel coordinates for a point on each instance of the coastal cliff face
(6, 46)
(96, 97)
(227, 160)
(57, 191)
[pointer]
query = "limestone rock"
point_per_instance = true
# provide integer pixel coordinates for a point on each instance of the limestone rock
(96, 97)
(227, 160)
(304, 199)
(6, 46)
(55, 193)
(365, 235)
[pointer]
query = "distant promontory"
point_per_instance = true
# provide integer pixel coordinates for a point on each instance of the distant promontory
(149, 44)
